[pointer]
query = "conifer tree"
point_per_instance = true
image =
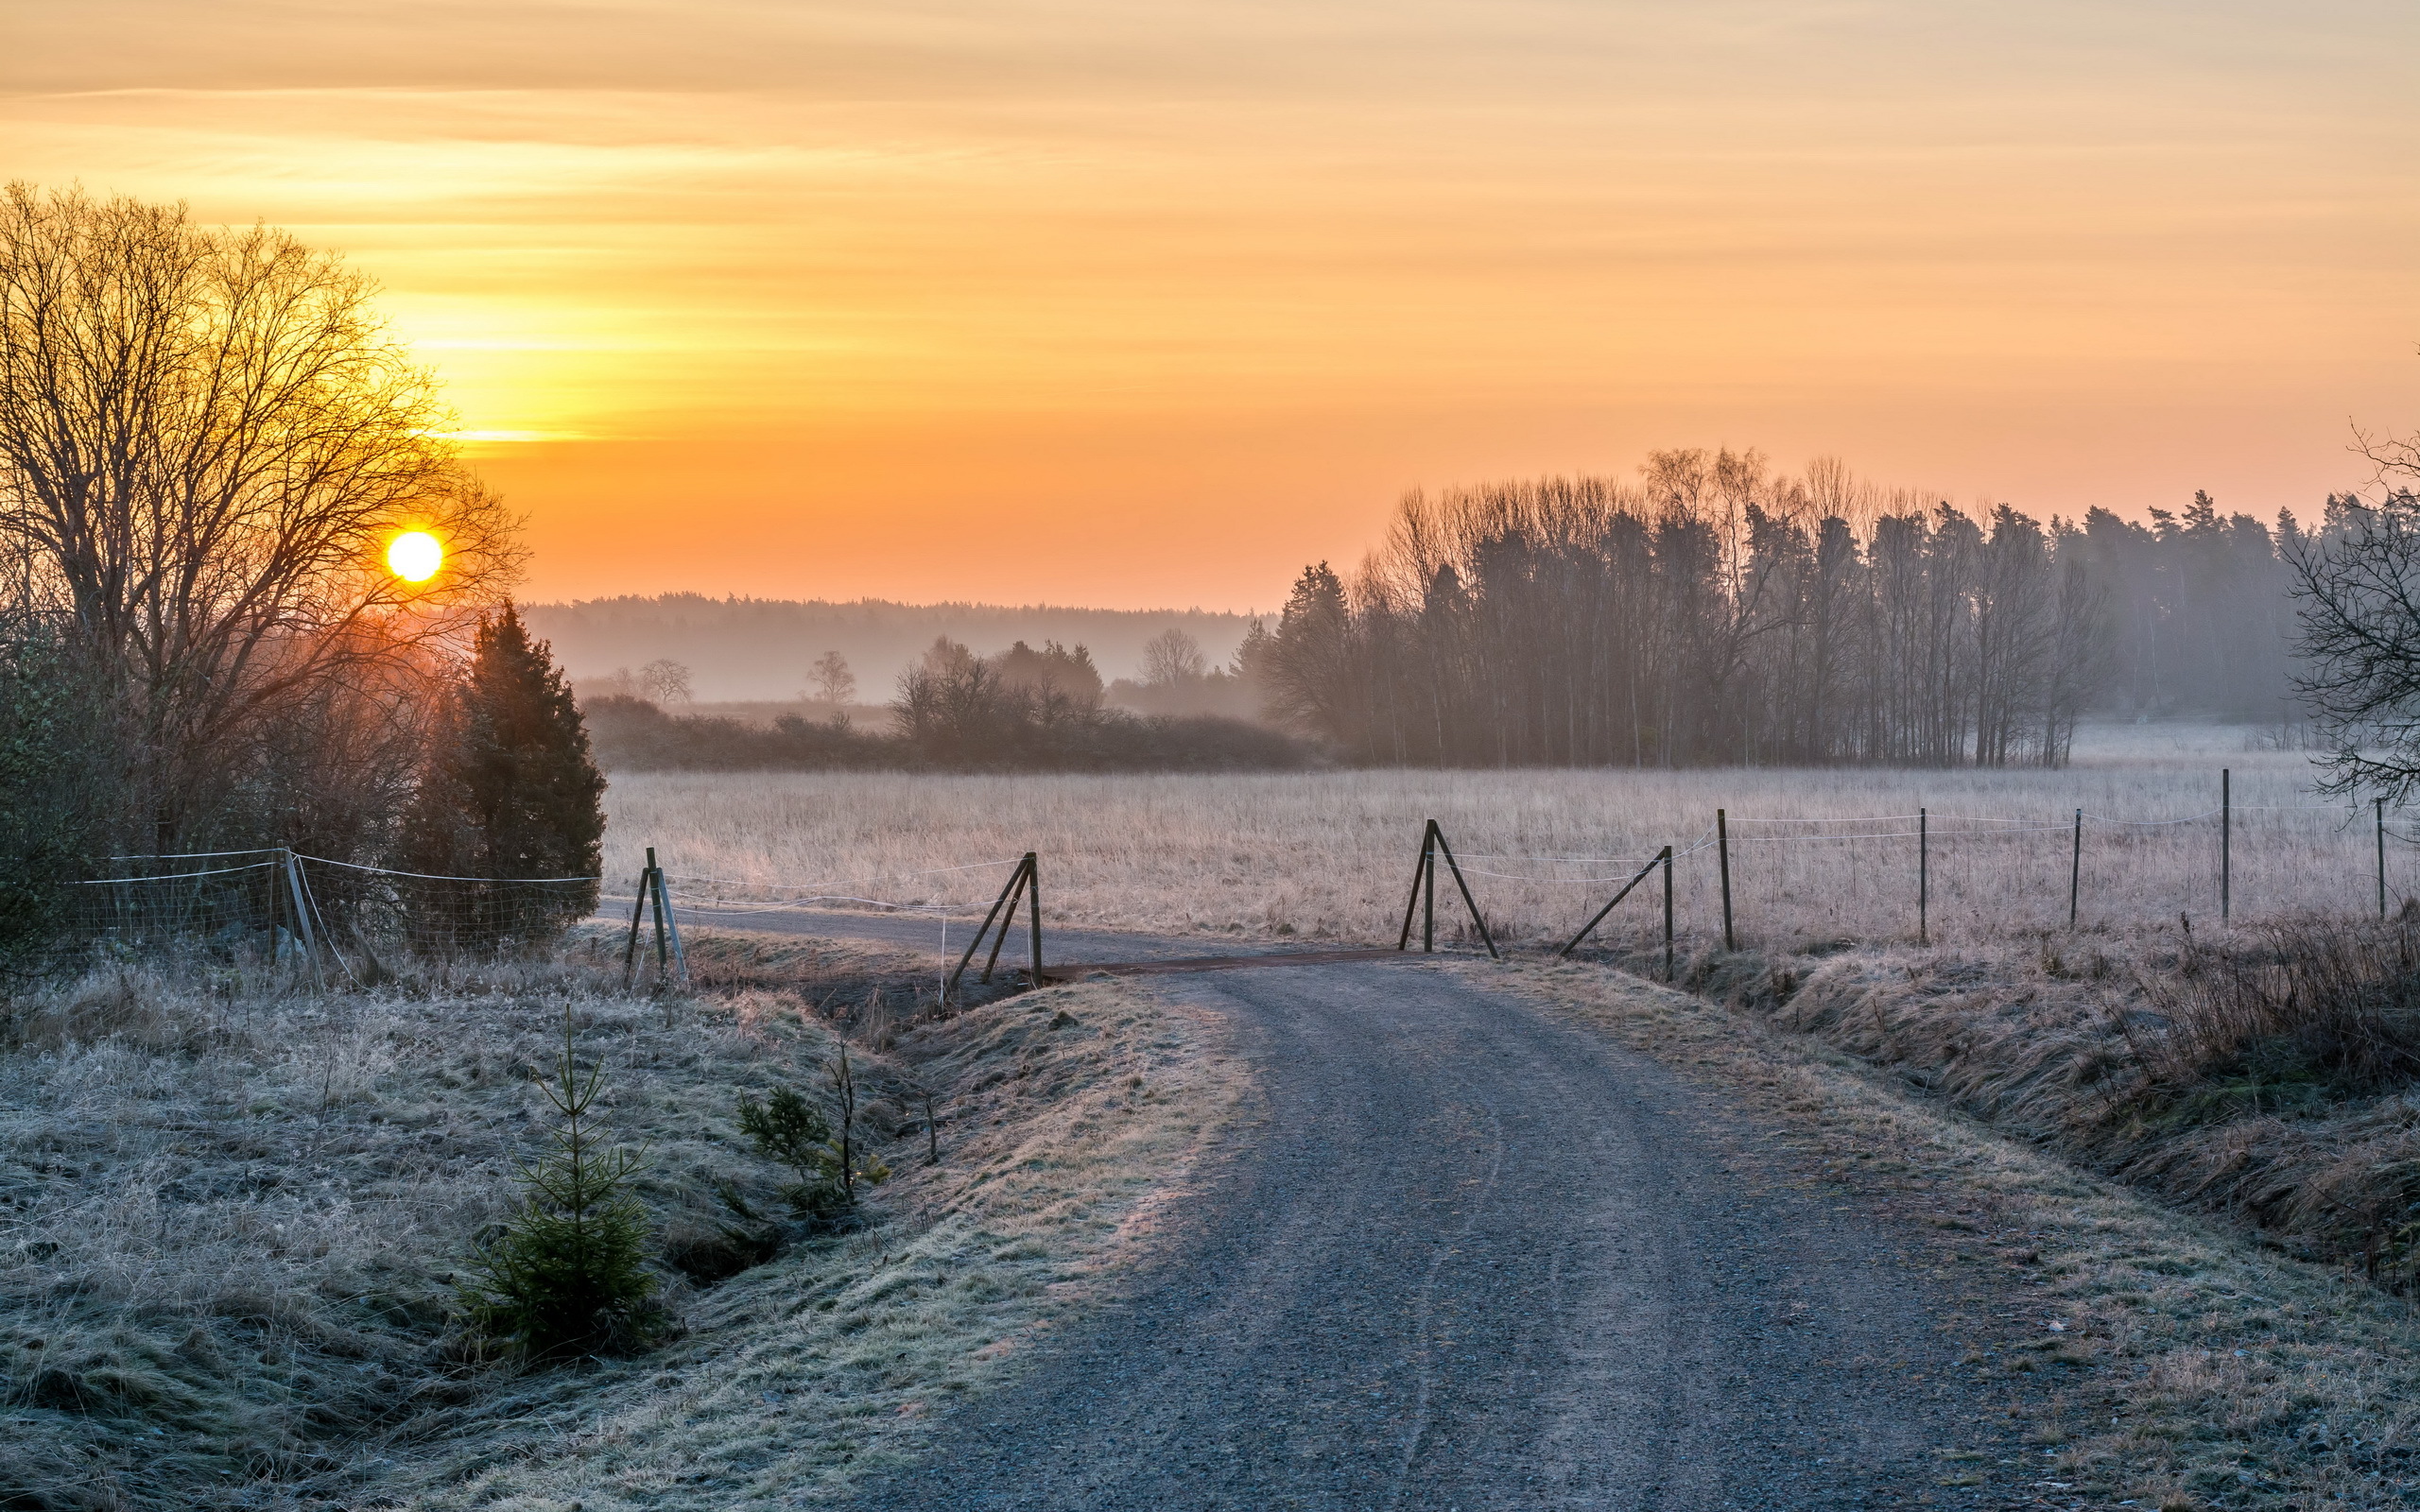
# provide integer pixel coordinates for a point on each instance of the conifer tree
(510, 790)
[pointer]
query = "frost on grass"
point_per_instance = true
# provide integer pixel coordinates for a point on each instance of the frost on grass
(2188, 1367)
(1329, 856)
(232, 1219)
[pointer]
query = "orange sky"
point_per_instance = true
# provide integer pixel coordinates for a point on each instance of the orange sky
(1148, 304)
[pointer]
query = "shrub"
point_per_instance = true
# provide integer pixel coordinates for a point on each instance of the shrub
(2317, 1012)
(787, 1128)
(569, 1273)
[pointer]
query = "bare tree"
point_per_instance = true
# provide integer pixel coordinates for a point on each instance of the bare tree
(664, 681)
(207, 442)
(834, 682)
(1172, 657)
(2359, 597)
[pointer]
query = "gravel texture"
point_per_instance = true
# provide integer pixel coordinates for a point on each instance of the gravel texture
(1464, 1255)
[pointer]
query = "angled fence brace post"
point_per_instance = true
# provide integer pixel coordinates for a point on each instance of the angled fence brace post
(672, 926)
(1425, 868)
(311, 900)
(1573, 943)
(976, 943)
(638, 913)
(302, 916)
(1017, 883)
(1429, 844)
(1468, 902)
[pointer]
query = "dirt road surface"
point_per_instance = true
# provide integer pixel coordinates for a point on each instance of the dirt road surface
(1467, 1256)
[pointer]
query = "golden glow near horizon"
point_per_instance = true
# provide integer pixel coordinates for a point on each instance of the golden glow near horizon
(415, 556)
(1127, 305)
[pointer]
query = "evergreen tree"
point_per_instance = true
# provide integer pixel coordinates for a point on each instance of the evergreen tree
(569, 1272)
(509, 790)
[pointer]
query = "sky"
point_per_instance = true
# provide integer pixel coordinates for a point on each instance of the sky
(1144, 305)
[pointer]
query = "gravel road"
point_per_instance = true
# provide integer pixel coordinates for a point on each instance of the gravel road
(1465, 1256)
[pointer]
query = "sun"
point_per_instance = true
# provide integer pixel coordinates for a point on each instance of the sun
(415, 556)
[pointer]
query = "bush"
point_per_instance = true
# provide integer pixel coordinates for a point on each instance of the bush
(2317, 1012)
(569, 1274)
(789, 1129)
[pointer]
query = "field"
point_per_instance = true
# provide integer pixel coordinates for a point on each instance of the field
(1817, 855)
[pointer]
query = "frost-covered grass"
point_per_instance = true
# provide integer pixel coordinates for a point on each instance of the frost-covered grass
(1330, 854)
(230, 1214)
(2191, 1367)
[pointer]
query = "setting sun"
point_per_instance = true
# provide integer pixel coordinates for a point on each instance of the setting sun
(415, 556)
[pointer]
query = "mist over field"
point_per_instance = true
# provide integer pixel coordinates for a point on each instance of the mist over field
(753, 650)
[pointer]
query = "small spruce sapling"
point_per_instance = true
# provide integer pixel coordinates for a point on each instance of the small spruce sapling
(569, 1274)
(787, 1128)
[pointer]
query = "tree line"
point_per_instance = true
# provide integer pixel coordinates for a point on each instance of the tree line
(1024, 708)
(1715, 611)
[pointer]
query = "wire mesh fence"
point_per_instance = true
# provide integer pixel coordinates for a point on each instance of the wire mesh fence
(282, 905)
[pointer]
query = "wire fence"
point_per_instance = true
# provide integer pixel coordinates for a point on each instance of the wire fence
(333, 914)
(1921, 874)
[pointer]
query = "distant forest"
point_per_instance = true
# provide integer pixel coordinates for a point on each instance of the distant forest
(766, 650)
(1710, 611)
(1716, 613)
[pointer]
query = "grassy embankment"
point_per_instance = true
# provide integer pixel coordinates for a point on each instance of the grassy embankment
(2193, 1363)
(233, 1213)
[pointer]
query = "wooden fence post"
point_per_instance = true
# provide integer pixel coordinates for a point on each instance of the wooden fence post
(1667, 913)
(1420, 870)
(1722, 851)
(2381, 815)
(2075, 870)
(638, 913)
(671, 916)
(1428, 839)
(1018, 884)
(1468, 902)
(1033, 911)
(1009, 891)
(2226, 837)
(1924, 880)
(662, 955)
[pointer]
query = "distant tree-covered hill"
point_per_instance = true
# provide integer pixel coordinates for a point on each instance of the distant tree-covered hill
(754, 648)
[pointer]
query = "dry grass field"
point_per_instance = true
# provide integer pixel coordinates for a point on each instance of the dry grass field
(1817, 855)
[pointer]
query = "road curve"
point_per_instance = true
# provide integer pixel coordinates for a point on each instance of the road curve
(1467, 1256)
